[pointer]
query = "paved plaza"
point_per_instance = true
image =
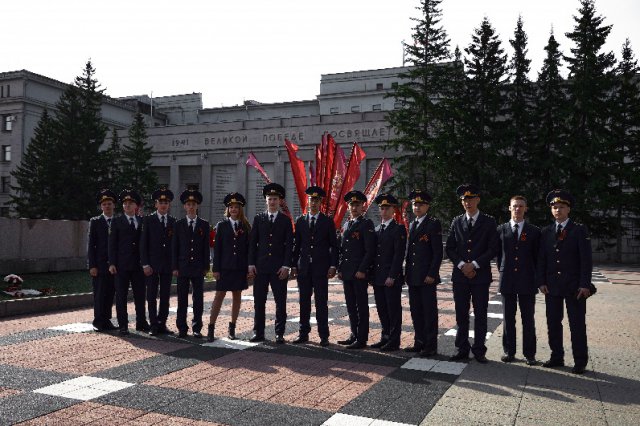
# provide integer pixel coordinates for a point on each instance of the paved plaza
(55, 370)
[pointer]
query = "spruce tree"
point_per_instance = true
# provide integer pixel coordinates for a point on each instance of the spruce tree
(114, 161)
(625, 158)
(550, 135)
(136, 169)
(35, 174)
(486, 75)
(420, 120)
(587, 154)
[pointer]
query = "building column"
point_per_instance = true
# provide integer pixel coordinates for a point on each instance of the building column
(205, 189)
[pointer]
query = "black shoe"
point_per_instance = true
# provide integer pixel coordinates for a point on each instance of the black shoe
(302, 338)
(256, 338)
(347, 341)
(357, 345)
(210, 332)
(380, 344)
(108, 325)
(197, 335)
(414, 348)
(459, 356)
(182, 334)
(507, 358)
(578, 369)
(98, 329)
(123, 331)
(553, 363)
(279, 339)
(481, 359)
(154, 330)
(162, 329)
(531, 361)
(232, 331)
(324, 342)
(390, 347)
(427, 353)
(143, 326)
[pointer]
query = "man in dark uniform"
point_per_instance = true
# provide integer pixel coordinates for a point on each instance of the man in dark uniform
(155, 256)
(422, 274)
(357, 251)
(517, 264)
(270, 250)
(124, 261)
(472, 243)
(190, 261)
(391, 244)
(316, 255)
(98, 259)
(564, 276)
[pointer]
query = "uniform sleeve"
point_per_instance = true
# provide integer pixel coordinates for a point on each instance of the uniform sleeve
(144, 243)
(253, 241)
(113, 243)
(493, 245)
(541, 270)
(452, 246)
(92, 256)
(500, 247)
(333, 244)
(586, 262)
(400, 246)
(296, 243)
(217, 248)
(288, 243)
(206, 252)
(175, 241)
(369, 237)
(436, 246)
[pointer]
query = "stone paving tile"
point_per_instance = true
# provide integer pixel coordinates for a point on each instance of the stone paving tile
(5, 392)
(29, 379)
(25, 406)
(83, 353)
(143, 370)
(27, 336)
(455, 415)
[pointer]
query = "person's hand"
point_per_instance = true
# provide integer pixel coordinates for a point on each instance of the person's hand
(251, 271)
(331, 273)
(93, 272)
(544, 289)
(283, 273)
(340, 275)
(467, 268)
(148, 271)
(429, 280)
(113, 270)
(175, 273)
(389, 282)
(583, 293)
(360, 275)
(294, 273)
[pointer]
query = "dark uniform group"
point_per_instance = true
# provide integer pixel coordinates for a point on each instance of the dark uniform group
(144, 253)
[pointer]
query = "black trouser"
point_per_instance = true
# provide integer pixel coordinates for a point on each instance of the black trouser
(357, 299)
(527, 304)
(389, 307)
(464, 294)
(423, 303)
(136, 279)
(317, 284)
(260, 291)
(576, 311)
(197, 297)
(158, 314)
(104, 291)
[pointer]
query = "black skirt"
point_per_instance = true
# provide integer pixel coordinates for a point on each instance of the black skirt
(232, 280)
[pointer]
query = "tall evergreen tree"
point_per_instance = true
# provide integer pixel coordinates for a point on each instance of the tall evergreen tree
(35, 174)
(518, 111)
(550, 136)
(587, 153)
(486, 72)
(136, 161)
(420, 121)
(625, 185)
(114, 160)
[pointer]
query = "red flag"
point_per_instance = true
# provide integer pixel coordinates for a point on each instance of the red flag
(400, 215)
(312, 173)
(299, 175)
(320, 157)
(380, 176)
(253, 162)
(350, 179)
(328, 169)
(339, 171)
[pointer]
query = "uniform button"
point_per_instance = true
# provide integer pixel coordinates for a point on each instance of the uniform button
(516, 258)
(413, 244)
(269, 254)
(559, 273)
(311, 246)
(134, 244)
(164, 245)
(271, 235)
(270, 244)
(516, 247)
(192, 258)
(191, 248)
(468, 241)
(557, 249)
(469, 251)
(515, 269)
(414, 264)
(191, 240)
(234, 246)
(557, 261)
(234, 253)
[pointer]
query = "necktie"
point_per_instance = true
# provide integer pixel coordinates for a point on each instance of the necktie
(132, 223)
(109, 222)
(349, 223)
(313, 224)
(414, 225)
(515, 231)
(381, 229)
(162, 221)
(271, 218)
(235, 227)
(191, 227)
(559, 231)
(470, 224)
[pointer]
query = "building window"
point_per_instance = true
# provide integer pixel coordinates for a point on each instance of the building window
(377, 107)
(397, 105)
(334, 110)
(7, 123)
(355, 108)
(379, 86)
(6, 153)
(5, 91)
(5, 184)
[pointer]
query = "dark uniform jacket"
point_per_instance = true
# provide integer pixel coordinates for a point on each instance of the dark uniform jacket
(98, 246)
(231, 250)
(357, 248)
(155, 243)
(564, 264)
(424, 252)
(321, 247)
(124, 244)
(481, 245)
(391, 246)
(190, 250)
(517, 259)
(270, 245)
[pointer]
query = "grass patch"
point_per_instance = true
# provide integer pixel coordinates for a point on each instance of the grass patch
(61, 282)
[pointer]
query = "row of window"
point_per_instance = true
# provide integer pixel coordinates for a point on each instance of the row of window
(7, 122)
(5, 154)
(5, 184)
(356, 108)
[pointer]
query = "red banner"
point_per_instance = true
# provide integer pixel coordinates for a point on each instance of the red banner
(339, 172)
(320, 158)
(400, 215)
(312, 173)
(382, 174)
(329, 155)
(351, 177)
(299, 173)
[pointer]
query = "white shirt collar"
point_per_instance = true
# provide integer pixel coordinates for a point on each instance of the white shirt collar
(513, 223)
(309, 216)
(106, 218)
(419, 220)
(474, 217)
(564, 224)
(386, 223)
(275, 214)
(188, 219)
(160, 215)
(135, 219)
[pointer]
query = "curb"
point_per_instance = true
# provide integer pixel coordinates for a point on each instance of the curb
(34, 305)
